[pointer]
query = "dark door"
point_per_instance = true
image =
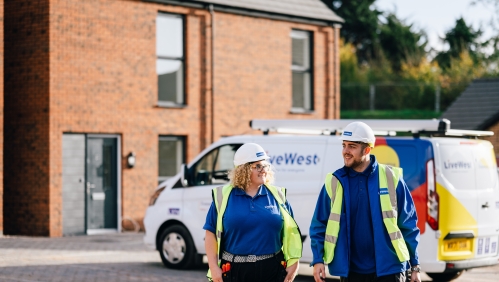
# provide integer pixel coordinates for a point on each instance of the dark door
(102, 188)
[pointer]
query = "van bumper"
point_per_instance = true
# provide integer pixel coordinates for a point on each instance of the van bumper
(452, 266)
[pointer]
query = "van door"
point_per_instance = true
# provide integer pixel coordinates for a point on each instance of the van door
(298, 164)
(458, 199)
(488, 199)
(207, 173)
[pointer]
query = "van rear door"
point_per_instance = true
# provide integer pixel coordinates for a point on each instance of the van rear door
(467, 187)
(488, 199)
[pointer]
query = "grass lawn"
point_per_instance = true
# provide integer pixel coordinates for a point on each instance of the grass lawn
(400, 114)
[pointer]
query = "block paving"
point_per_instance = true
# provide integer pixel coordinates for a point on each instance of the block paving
(115, 257)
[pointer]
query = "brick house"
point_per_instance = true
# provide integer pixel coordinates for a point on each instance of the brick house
(104, 99)
(477, 108)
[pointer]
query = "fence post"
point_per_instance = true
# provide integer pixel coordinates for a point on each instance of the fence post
(372, 94)
(437, 98)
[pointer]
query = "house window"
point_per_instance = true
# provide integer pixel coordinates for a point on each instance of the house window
(301, 68)
(171, 156)
(170, 59)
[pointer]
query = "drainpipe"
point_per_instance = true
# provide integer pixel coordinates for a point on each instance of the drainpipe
(212, 98)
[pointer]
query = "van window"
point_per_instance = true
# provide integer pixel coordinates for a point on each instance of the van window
(213, 167)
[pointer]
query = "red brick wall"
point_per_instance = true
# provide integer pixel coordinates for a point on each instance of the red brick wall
(253, 72)
(26, 102)
(103, 80)
(495, 139)
(1, 115)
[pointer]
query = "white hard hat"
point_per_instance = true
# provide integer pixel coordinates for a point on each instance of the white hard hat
(358, 132)
(248, 153)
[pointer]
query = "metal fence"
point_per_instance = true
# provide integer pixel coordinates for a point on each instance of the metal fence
(398, 96)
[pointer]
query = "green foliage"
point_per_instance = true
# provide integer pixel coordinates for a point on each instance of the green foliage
(461, 39)
(400, 44)
(381, 52)
(360, 27)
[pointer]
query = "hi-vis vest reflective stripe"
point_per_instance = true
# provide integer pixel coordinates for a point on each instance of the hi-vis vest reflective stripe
(388, 180)
(291, 243)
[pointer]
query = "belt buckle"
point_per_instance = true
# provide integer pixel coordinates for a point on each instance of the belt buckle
(251, 258)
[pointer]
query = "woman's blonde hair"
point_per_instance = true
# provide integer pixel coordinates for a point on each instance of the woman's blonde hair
(241, 176)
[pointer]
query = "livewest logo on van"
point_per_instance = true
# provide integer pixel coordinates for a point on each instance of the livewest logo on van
(294, 158)
(457, 165)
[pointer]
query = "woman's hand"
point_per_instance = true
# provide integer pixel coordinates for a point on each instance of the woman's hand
(292, 271)
(210, 244)
(216, 274)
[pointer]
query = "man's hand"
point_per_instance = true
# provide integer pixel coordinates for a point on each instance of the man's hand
(292, 271)
(319, 272)
(415, 276)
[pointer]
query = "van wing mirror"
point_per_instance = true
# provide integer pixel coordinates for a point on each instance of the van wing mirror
(184, 175)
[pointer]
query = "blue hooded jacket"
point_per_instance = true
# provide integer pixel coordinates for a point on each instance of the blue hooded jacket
(386, 258)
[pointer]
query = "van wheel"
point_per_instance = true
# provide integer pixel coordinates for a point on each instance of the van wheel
(176, 248)
(445, 276)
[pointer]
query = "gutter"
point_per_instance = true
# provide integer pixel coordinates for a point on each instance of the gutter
(212, 98)
(249, 12)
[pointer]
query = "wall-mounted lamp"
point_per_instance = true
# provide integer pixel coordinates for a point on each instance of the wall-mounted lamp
(130, 160)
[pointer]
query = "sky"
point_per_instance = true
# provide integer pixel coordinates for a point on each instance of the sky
(438, 16)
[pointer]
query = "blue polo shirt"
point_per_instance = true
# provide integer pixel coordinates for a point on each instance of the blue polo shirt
(362, 258)
(252, 225)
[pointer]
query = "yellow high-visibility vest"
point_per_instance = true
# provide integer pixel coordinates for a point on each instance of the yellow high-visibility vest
(291, 243)
(388, 181)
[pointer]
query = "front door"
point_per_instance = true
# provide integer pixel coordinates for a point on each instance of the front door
(102, 184)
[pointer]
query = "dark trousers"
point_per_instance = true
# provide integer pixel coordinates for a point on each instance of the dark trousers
(267, 270)
(357, 277)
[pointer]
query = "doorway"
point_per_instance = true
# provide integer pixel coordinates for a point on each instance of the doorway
(91, 186)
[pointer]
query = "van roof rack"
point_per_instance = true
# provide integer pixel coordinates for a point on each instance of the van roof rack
(380, 126)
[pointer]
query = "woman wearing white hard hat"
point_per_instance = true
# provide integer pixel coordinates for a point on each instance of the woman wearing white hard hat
(250, 231)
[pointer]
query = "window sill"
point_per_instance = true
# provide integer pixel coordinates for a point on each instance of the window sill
(301, 111)
(162, 104)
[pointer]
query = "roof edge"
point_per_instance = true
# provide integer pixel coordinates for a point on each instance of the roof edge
(250, 12)
(489, 122)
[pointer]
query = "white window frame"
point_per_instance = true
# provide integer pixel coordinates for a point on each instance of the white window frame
(180, 159)
(180, 97)
(308, 100)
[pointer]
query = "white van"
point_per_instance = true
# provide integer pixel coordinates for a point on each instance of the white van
(453, 181)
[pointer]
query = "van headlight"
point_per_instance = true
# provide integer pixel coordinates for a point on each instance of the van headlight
(155, 196)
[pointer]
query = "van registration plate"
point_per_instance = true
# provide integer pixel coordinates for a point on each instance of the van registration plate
(457, 245)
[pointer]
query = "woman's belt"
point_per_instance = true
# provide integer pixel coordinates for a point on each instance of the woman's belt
(250, 258)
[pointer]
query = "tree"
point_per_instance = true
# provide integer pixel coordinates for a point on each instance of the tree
(400, 44)
(360, 27)
(461, 38)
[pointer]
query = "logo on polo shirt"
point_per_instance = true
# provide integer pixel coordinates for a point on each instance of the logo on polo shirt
(383, 191)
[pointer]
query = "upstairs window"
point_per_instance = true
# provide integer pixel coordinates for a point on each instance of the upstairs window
(170, 59)
(301, 68)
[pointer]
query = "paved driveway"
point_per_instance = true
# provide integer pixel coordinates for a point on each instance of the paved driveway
(117, 257)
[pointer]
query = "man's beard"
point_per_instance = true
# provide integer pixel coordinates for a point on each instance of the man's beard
(354, 164)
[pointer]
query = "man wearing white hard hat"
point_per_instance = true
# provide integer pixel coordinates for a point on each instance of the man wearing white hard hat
(364, 225)
(251, 234)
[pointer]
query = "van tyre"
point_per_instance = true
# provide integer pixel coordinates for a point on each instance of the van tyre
(445, 276)
(176, 248)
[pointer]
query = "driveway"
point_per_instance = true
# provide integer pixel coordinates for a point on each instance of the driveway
(113, 257)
